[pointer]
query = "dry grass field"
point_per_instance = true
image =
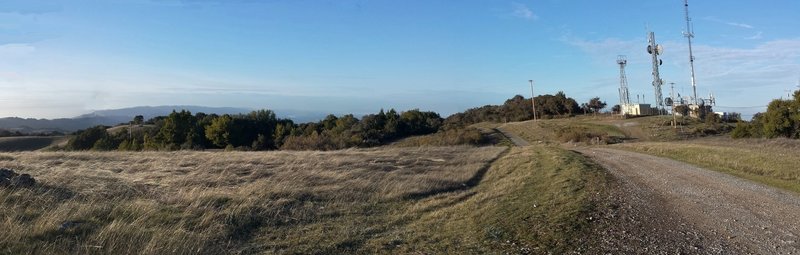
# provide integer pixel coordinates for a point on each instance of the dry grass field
(770, 161)
(384, 200)
(582, 129)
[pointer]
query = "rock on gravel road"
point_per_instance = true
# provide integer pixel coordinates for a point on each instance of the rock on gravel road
(663, 206)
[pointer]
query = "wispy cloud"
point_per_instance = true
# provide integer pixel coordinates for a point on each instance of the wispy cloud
(523, 11)
(755, 37)
(729, 23)
(13, 50)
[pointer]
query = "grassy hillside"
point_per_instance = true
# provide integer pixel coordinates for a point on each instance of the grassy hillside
(466, 136)
(29, 143)
(535, 200)
(398, 200)
(770, 161)
(561, 130)
(605, 129)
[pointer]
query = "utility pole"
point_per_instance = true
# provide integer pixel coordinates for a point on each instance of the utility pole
(533, 101)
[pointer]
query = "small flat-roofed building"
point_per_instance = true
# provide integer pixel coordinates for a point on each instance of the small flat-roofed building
(636, 109)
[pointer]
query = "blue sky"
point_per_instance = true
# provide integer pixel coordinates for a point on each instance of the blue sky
(65, 58)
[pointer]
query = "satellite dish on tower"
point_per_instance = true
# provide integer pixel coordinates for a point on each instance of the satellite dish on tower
(659, 49)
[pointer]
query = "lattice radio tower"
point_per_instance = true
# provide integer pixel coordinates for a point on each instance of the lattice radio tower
(655, 50)
(624, 97)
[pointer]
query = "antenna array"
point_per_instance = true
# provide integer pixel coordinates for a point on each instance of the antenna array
(624, 97)
(655, 50)
(689, 34)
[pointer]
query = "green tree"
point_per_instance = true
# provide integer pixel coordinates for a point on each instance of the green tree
(86, 139)
(779, 119)
(596, 105)
(282, 131)
(105, 143)
(219, 132)
(138, 120)
(176, 129)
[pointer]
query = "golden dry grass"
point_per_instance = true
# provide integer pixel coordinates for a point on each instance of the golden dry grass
(535, 200)
(384, 200)
(196, 202)
(579, 129)
(770, 161)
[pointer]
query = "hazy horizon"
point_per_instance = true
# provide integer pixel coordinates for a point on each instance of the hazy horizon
(66, 58)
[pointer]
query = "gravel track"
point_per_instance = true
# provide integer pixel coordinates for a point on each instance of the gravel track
(662, 206)
(518, 141)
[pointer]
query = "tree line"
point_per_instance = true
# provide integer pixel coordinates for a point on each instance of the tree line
(262, 130)
(518, 108)
(258, 130)
(782, 119)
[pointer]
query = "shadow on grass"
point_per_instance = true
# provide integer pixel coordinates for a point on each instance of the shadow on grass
(458, 186)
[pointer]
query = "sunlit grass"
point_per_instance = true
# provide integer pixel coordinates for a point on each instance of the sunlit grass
(386, 200)
(773, 162)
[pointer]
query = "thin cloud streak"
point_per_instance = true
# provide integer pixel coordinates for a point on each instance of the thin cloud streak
(729, 23)
(523, 11)
(757, 36)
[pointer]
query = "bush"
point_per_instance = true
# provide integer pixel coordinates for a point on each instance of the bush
(581, 134)
(742, 130)
(464, 136)
(87, 139)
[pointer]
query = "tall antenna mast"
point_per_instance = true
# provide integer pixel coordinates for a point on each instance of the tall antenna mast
(624, 97)
(655, 50)
(689, 34)
(533, 101)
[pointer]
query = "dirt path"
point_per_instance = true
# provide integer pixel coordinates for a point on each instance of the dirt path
(518, 141)
(665, 206)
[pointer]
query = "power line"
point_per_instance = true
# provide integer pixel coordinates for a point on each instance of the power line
(741, 106)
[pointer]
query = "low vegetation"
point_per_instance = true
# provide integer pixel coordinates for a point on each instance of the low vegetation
(459, 136)
(258, 130)
(262, 130)
(536, 199)
(517, 108)
(575, 130)
(400, 200)
(773, 162)
(782, 119)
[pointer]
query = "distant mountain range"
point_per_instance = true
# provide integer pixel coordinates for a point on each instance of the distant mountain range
(117, 116)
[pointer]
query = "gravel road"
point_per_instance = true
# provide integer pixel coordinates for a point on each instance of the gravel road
(662, 206)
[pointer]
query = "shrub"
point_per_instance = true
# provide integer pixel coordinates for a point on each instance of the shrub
(581, 134)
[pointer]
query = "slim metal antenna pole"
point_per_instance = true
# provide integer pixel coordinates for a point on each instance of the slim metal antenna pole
(689, 35)
(533, 101)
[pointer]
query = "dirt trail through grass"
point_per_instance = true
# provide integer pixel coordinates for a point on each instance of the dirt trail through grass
(518, 141)
(669, 206)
